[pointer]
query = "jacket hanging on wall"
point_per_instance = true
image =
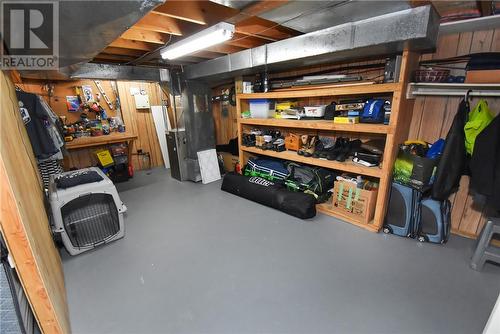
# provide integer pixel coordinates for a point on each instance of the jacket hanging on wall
(479, 118)
(485, 164)
(453, 163)
(35, 120)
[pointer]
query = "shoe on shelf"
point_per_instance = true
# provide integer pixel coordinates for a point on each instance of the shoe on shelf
(323, 146)
(334, 151)
(304, 142)
(279, 145)
(248, 140)
(348, 150)
(311, 146)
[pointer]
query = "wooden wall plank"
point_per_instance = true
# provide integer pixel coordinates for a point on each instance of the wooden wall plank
(226, 126)
(481, 41)
(433, 114)
(23, 220)
(140, 122)
(447, 46)
(418, 109)
(495, 43)
(464, 43)
(472, 215)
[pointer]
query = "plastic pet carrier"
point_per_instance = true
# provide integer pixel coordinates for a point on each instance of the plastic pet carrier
(87, 211)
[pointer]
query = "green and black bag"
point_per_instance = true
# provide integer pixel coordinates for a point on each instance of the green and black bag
(316, 181)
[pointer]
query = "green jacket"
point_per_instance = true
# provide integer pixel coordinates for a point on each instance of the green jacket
(479, 118)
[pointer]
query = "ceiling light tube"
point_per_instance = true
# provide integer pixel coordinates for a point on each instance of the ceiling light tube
(211, 36)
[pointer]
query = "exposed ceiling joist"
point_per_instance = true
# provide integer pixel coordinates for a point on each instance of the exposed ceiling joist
(256, 8)
(199, 12)
(245, 41)
(225, 48)
(161, 23)
(142, 35)
(261, 27)
(133, 45)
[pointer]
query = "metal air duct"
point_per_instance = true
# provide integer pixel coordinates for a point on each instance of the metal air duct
(386, 34)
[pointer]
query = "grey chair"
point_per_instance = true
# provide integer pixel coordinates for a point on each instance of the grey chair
(484, 251)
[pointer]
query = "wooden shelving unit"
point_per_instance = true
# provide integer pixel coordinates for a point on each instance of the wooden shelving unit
(394, 133)
(347, 166)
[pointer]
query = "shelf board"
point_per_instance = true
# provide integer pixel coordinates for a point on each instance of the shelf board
(347, 166)
(326, 208)
(451, 89)
(317, 125)
(340, 90)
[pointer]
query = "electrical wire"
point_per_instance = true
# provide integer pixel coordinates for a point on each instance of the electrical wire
(149, 52)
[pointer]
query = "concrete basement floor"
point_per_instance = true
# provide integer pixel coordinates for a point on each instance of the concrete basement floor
(199, 260)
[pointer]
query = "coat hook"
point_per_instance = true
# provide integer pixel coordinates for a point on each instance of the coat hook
(467, 96)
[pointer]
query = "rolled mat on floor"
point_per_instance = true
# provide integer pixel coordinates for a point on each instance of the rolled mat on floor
(271, 194)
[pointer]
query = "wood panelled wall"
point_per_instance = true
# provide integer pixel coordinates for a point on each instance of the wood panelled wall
(432, 117)
(140, 121)
(137, 121)
(226, 124)
(61, 89)
(23, 219)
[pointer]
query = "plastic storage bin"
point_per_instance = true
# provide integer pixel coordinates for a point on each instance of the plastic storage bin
(315, 111)
(261, 108)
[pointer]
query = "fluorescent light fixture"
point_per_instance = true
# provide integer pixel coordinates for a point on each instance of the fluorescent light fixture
(211, 36)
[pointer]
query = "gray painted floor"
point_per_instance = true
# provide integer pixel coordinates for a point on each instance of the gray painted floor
(199, 260)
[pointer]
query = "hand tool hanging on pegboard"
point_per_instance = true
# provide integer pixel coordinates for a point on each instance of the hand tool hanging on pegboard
(103, 94)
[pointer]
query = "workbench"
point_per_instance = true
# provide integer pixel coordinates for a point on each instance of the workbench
(81, 150)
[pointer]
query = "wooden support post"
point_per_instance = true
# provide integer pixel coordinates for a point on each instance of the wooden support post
(401, 114)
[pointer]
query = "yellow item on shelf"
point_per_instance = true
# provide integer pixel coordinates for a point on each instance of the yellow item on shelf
(346, 120)
(104, 157)
(281, 106)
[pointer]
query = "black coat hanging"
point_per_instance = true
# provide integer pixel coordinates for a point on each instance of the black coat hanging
(485, 164)
(453, 163)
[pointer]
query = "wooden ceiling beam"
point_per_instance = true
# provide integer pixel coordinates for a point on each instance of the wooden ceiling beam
(263, 6)
(199, 12)
(122, 52)
(225, 48)
(256, 26)
(133, 45)
(142, 35)
(245, 41)
(163, 24)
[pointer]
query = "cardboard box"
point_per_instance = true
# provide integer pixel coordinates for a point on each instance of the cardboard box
(292, 142)
(483, 76)
(230, 161)
(353, 203)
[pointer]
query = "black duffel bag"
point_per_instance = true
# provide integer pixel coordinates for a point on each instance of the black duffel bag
(274, 195)
(316, 181)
